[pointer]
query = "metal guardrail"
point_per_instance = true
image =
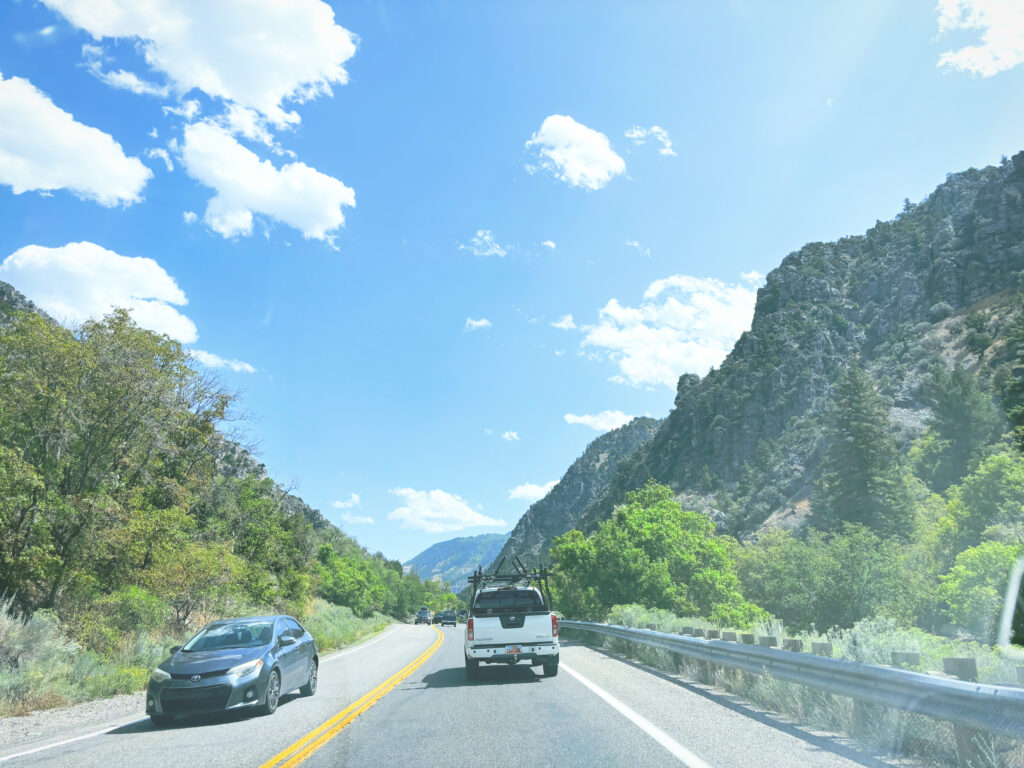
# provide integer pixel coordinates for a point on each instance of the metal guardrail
(997, 709)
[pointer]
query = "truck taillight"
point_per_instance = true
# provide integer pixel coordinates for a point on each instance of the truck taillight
(554, 625)
(469, 629)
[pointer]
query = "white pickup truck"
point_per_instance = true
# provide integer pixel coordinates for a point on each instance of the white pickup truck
(509, 624)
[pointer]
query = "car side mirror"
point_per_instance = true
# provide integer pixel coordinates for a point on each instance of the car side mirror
(1011, 624)
(286, 640)
(174, 649)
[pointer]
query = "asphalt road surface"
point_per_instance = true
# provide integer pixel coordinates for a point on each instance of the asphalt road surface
(402, 699)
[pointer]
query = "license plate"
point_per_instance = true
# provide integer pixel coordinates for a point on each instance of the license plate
(513, 650)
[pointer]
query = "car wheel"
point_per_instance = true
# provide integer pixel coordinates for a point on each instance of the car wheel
(161, 721)
(273, 696)
(550, 670)
(472, 669)
(310, 687)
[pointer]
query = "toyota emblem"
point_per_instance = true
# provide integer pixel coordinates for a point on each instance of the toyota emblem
(196, 678)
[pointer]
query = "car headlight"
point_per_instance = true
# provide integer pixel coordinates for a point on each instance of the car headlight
(159, 676)
(249, 668)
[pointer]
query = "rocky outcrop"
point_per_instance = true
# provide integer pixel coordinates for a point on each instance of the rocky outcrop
(890, 298)
(589, 475)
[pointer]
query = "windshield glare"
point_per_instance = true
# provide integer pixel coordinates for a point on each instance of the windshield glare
(241, 634)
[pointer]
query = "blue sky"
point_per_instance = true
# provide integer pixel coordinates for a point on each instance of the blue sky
(506, 163)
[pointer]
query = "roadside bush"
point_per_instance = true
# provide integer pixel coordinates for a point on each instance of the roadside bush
(333, 626)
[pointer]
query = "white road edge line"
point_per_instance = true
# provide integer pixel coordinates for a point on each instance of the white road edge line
(69, 741)
(360, 647)
(681, 753)
(45, 747)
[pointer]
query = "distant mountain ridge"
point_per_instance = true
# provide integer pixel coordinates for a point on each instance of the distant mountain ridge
(583, 482)
(453, 560)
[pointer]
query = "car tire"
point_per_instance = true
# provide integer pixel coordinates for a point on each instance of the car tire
(161, 721)
(310, 687)
(273, 695)
(472, 669)
(550, 670)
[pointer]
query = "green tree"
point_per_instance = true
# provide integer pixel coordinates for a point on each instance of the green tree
(653, 553)
(964, 421)
(862, 480)
(974, 587)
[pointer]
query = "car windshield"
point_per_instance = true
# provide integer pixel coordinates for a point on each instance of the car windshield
(508, 601)
(237, 634)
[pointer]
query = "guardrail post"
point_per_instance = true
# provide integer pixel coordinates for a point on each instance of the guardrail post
(902, 660)
(687, 630)
(748, 639)
(792, 644)
(962, 667)
(970, 742)
(714, 634)
(1020, 674)
(729, 636)
(698, 632)
(821, 649)
(767, 641)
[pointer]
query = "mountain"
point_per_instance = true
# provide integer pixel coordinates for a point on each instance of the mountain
(931, 288)
(453, 560)
(582, 483)
(12, 301)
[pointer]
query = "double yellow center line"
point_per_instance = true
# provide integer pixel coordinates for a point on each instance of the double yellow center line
(320, 735)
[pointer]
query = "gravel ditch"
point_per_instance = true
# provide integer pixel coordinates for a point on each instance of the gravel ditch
(64, 721)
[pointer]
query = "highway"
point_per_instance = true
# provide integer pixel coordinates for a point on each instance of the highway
(402, 697)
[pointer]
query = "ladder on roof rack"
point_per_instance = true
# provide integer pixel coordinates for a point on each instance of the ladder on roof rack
(522, 575)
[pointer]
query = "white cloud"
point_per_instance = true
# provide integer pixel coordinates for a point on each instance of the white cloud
(639, 135)
(484, 244)
(1001, 25)
(684, 325)
(437, 511)
(510, 436)
(43, 148)
(476, 325)
(216, 361)
(162, 155)
(121, 79)
(295, 194)
(79, 281)
(256, 53)
(188, 110)
(189, 217)
(348, 517)
(351, 501)
(639, 248)
(602, 422)
(549, 244)
(531, 492)
(575, 154)
(565, 322)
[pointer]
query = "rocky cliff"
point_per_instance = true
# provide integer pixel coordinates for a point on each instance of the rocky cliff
(933, 286)
(582, 483)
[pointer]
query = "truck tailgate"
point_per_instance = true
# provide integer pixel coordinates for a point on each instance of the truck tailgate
(511, 629)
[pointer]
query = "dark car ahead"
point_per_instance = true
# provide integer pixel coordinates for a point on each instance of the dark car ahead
(234, 664)
(448, 617)
(463, 615)
(423, 617)
(437, 618)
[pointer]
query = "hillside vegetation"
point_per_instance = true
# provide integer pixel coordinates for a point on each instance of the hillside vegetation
(125, 511)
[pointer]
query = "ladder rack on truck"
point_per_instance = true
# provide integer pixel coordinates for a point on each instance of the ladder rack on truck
(522, 575)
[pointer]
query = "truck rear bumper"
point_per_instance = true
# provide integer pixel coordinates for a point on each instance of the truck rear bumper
(498, 655)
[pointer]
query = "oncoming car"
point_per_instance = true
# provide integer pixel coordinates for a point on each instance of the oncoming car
(234, 664)
(423, 616)
(448, 617)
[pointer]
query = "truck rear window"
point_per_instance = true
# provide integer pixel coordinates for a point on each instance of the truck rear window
(508, 601)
